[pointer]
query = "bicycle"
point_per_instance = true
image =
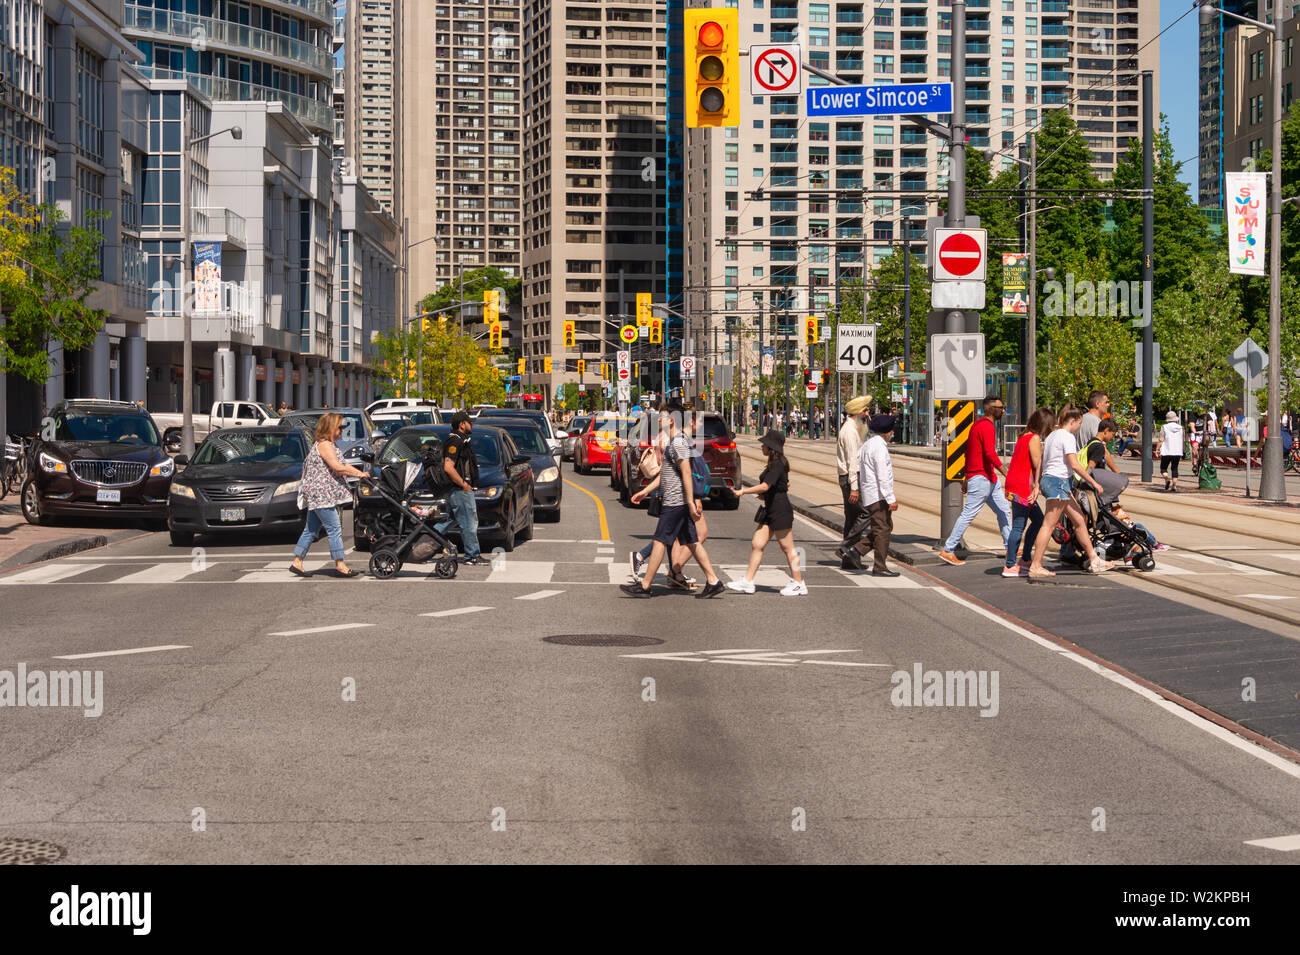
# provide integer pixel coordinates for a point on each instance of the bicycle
(15, 467)
(1292, 462)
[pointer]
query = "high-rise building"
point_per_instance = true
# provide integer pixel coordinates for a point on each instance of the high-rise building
(369, 85)
(279, 50)
(594, 209)
(746, 255)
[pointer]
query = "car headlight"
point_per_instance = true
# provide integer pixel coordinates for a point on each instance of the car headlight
(165, 469)
(52, 465)
(289, 487)
(549, 475)
(182, 490)
(487, 493)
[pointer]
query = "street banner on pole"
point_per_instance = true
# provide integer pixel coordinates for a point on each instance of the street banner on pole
(769, 359)
(1015, 284)
(1246, 220)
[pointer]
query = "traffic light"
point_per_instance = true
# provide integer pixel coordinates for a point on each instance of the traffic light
(582, 367)
(546, 365)
(460, 380)
(570, 334)
(712, 44)
(636, 370)
(643, 316)
(491, 307)
(604, 370)
(521, 367)
(826, 378)
(807, 377)
(494, 336)
(656, 331)
(482, 362)
(810, 336)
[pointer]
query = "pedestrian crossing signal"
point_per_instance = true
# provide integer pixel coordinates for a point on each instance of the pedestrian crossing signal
(494, 336)
(570, 335)
(712, 42)
(582, 366)
(604, 370)
(546, 365)
(521, 367)
(810, 336)
(657, 331)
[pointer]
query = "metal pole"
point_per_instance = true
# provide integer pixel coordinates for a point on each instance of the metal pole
(955, 321)
(907, 323)
(758, 425)
(187, 342)
(835, 328)
(1025, 410)
(1030, 371)
(1272, 483)
(1148, 265)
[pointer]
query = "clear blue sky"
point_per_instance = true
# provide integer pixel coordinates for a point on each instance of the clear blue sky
(1179, 82)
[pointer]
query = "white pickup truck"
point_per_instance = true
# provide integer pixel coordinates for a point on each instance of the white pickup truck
(224, 414)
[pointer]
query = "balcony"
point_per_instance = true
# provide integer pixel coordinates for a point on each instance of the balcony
(848, 64)
(786, 231)
(784, 35)
(848, 232)
(218, 225)
(1061, 7)
(240, 38)
(785, 13)
(975, 95)
(848, 208)
(914, 137)
(1056, 29)
(915, 43)
(979, 141)
(975, 48)
(915, 69)
(848, 182)
(848, 157)
(312, 113)
(785, 132)
(1056, 52)
(976, 70)
(784, 205)
(842, 16)
(912, 162)
(783, 155)
(918, 185)
(1056, 76)
(977, 117)
(912, 20)
(785, 255)
(784, 109)
(848, 135)
(1056, 99)
(977, 26)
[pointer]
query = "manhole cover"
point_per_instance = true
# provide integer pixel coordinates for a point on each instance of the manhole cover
(602, 640)
(29, 852)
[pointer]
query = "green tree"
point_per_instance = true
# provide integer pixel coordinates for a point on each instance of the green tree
(1069, 227)
(475, 283)
(885, 307)
(1198, 324)
(47, 270)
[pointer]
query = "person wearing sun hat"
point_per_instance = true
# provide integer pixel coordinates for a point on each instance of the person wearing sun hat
(852, 433)
(876, 489)
(1169, 448)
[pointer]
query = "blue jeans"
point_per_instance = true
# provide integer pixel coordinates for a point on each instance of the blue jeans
(980, 491)
(328, 518)
(1025, 523)
(464, 513)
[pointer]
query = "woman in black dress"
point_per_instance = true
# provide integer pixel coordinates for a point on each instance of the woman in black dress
(775, 518)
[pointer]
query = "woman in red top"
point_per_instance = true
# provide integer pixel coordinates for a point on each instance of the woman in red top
(1022, 491)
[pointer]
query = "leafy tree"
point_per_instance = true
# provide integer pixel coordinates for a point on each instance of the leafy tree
(885, 307)
(1198, 325)
(1080, 353)
(447, 355)
(1069, 227)
(47, 270)
(476, 282)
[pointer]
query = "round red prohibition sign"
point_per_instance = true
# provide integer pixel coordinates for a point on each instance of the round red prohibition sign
(779, 67)
(960, 254)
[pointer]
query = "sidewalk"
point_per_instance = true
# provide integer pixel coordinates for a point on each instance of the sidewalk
(22, 543)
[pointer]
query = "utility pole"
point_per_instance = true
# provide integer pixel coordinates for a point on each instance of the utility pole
(909, 417)
(955, 217)
(1025, 409)
(835, 337)
(762, 298)
(1272, 482)
(1030, 371)
(1148, 232)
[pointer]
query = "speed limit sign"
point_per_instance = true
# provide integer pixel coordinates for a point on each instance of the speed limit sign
(855, 348)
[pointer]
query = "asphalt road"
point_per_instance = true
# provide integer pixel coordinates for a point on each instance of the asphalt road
(772, 735)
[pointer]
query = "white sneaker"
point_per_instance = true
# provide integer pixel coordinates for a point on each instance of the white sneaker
(794, 589)
(741, 586)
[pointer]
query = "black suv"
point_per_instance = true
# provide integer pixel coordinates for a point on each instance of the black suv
(105, 458)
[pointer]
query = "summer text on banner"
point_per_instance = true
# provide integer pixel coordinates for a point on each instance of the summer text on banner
(1247, 192)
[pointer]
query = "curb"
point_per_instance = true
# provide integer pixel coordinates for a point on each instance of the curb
(53, 550)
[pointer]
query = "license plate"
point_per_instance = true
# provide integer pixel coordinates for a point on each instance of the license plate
(108, 497)
(232, 514)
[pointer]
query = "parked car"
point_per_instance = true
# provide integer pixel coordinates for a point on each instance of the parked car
(223, 414)
(394, 404)
(572, 428)
(714, 441)
(106, 458)
(543, 422)
(359, 432)
(597, 446)
(504, 493)
(239, 478)
(548, 479)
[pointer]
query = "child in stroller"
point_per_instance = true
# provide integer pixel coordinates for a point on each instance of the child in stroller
(421, 510)
(1114, 535)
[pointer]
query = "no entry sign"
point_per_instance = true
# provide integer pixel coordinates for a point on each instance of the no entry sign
(959, 254)
(774, 68)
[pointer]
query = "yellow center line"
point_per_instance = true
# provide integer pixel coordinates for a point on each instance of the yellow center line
(600, 508)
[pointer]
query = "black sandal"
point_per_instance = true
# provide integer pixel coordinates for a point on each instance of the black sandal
(349, 575)
(297, 572)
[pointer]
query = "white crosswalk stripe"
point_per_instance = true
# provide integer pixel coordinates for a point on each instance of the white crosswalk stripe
(49, 573)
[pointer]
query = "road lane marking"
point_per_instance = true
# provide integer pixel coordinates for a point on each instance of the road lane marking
(1270, 596)
(600, 509)
(49, 573)
(1227, 565)
(1280, 843)
(604, 560)
(122, 653)
(159, 574)
(523, 572)
(337, 626)
(540, 595)
(454, 613)
(753, 658)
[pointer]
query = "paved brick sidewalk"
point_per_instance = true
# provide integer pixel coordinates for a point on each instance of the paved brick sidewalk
(22, 543)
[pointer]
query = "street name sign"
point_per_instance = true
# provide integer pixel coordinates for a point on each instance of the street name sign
(879, 100)
(957, 363)
(855, 348)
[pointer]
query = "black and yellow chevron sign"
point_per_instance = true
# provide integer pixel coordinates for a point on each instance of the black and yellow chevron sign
(961, 415)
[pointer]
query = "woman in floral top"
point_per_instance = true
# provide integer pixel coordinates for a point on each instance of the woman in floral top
(322, 490)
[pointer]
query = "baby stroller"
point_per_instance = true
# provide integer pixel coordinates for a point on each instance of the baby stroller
(421, 510)
(1113, 534)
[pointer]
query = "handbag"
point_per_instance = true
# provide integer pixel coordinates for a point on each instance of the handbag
(760, 515)
(655, 506)
(649, 464)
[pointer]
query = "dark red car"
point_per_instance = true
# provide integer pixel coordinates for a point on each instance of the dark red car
(714, 440)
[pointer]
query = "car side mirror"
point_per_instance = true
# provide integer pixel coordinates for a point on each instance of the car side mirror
(181, 460)
(367, 456)
(561, 434)
(520, 459)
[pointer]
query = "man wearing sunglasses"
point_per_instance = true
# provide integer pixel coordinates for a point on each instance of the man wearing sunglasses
(981, 482)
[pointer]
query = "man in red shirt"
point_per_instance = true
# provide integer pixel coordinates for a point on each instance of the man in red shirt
(981, 483)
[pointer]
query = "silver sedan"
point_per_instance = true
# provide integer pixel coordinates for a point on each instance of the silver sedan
(575, 426)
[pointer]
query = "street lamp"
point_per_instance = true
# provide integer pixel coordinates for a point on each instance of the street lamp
(187, 346)
(1272, 487)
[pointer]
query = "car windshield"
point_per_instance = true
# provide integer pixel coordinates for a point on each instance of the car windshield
(270, 412)
(354, 423)
(526, 436)
(408, 445)
(577, 425)
(116, 428)
(252, 447)
(390, 426)
(422, 417)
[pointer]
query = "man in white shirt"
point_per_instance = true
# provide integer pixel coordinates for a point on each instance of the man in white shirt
(852, 433)
(1169, 448)
(876, 495)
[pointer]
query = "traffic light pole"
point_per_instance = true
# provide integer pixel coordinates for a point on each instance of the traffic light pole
(955, 217)
(1148, 234)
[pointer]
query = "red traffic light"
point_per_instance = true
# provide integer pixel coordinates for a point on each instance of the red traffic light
(712, 35)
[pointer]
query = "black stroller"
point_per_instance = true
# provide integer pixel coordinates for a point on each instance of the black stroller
(422, 510)
(1113, 537)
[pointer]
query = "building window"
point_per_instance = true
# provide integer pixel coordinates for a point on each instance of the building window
(1008, 71)
(1008, 94)
(884, 41)
(883, 135)
(90, 104)
(1008, 26)
(1031, 49)
(1031, 72)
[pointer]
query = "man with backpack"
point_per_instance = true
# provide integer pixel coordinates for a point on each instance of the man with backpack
(460, 474)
